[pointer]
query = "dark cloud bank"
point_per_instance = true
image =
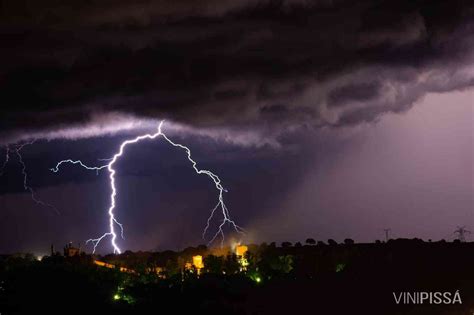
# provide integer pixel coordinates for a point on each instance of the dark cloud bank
(242, 71)
(248, 64)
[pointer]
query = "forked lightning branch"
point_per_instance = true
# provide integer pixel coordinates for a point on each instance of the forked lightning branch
(113, 222)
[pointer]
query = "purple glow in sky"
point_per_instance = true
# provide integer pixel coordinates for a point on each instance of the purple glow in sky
(324, 119)
(411, 172)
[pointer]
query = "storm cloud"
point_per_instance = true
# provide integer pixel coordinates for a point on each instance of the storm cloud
(258, 66)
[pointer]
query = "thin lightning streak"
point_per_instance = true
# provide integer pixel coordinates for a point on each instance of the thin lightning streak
(95, 168)
(209, 220)
(217, 183)
(110, 167)
(7, 158)
(18, 148)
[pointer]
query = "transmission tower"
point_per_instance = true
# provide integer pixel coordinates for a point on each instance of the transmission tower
(387, 234)
(461, 232)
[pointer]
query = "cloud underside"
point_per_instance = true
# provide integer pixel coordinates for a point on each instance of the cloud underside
(248, 65)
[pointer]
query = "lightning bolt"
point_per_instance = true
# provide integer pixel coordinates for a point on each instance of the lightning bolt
(7, 158)
(110, 168)
(17, 149)
(95, 168)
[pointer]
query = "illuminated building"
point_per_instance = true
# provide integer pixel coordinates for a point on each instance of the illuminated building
(158, 270)
(197, 263)
(240, 251)
(104, 264)
(111, 266)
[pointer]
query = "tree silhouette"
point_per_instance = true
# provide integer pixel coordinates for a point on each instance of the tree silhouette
(310, 241)
(282, 264)
(214, 264)
(349, 241)
(231, 264)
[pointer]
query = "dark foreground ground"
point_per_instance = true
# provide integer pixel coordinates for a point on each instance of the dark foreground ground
(316, 279)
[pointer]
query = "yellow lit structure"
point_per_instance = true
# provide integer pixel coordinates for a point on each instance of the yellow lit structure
(104, 264)
(197, 262)
(240, 250)
(157, 270)
(111, 266)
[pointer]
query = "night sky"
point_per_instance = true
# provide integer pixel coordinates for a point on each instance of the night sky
(324, 119)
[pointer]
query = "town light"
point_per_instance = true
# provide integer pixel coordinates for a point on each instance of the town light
(197, 262)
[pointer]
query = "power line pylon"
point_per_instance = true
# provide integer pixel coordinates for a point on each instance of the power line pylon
(461, 232)
(387, 234)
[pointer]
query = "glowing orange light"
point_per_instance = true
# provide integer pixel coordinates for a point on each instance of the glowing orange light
(240, 250)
